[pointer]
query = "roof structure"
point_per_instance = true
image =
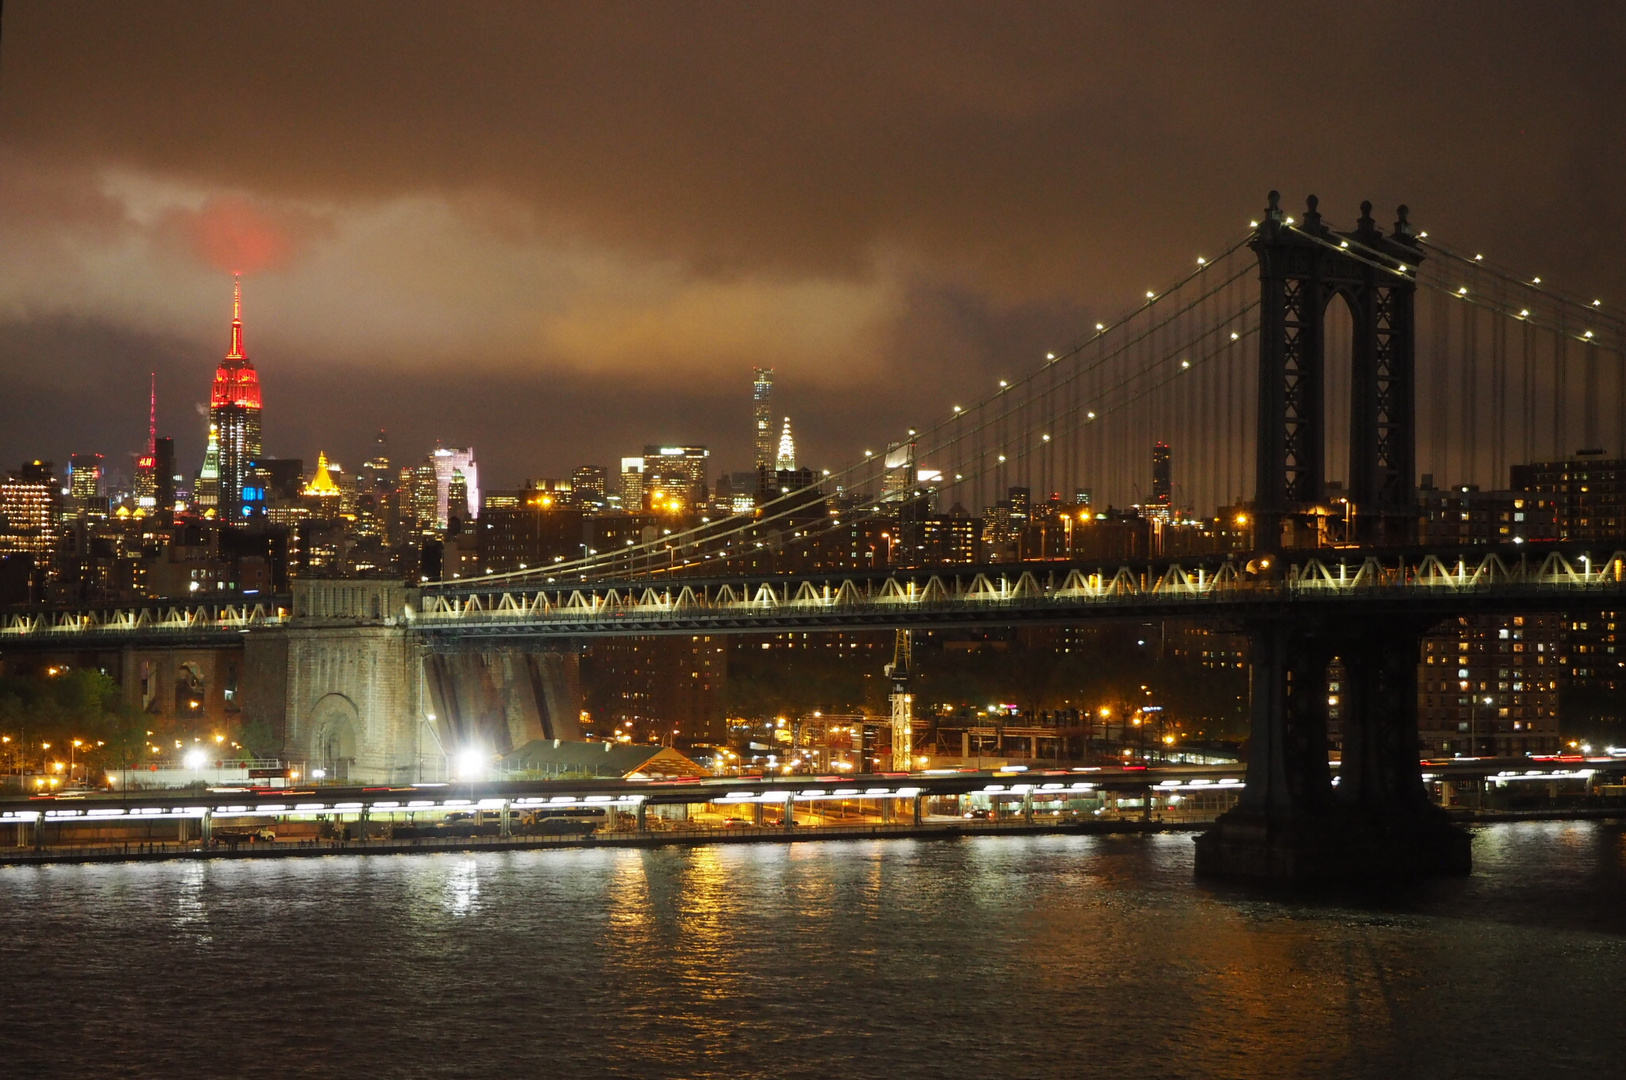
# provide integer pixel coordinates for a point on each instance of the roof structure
(624, 761)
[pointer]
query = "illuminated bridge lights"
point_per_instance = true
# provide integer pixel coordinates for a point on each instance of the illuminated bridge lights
(619, 606)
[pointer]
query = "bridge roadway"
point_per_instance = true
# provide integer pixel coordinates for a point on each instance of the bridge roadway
(1442, 582)
(247, 804)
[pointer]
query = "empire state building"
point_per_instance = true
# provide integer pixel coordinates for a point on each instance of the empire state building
(234, 414)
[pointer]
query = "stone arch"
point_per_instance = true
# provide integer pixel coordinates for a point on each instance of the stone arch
(334, 721)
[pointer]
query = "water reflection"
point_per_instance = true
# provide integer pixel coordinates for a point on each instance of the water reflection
(461, 893)
(988, 956)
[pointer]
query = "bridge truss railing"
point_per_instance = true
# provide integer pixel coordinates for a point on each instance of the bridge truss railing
(173, 617)
(1189, 584)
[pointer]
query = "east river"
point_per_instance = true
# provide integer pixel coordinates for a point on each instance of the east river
(990, 957)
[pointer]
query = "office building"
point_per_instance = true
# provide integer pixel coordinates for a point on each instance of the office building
(1162, 478)
(206, 492)
(631, 488)
(674, 478)
(28, 503)
(589, 486)
(85, 484)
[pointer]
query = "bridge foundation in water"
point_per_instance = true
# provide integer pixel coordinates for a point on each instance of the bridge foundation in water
(1293, 823)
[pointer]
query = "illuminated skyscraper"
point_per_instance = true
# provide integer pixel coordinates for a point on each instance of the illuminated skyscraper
(787, 450)
(452, 465)
(762, 397)
(234, 417)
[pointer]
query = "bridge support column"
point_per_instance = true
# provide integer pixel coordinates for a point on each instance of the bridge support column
(508, 818)
(643, 817)
(1289, 824)
(919, 806)
(206, 827)
(790, 812)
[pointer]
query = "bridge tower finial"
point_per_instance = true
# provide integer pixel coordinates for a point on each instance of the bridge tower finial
(1312, 216)
(1402, 226)
(1273, 212)
(1366, 224)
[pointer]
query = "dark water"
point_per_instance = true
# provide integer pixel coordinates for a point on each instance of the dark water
(992, 957)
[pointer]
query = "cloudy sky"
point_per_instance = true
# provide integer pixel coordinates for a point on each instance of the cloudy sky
(559, 232)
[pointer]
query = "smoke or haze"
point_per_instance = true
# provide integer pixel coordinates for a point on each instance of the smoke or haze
(560, 232)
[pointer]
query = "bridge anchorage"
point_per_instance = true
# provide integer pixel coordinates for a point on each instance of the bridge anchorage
(1293, 822)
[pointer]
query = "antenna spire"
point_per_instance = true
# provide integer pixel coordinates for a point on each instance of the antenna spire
(236, 352)
(152, 415)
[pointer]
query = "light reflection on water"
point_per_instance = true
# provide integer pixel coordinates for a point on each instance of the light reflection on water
(1042, 956)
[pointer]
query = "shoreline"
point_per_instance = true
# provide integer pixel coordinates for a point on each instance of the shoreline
(193, 851)
(682, 838)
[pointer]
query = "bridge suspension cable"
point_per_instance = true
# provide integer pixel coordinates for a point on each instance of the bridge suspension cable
(1084, 420)
(1506, 365)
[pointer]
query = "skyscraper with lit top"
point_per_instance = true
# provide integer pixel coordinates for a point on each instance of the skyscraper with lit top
(234, 414)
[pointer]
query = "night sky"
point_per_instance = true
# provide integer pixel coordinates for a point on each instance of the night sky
(559, 233)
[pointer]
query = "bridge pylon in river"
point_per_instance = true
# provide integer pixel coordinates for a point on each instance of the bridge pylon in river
(1292, 822)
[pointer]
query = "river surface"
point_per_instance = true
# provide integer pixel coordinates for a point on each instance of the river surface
(989, 957)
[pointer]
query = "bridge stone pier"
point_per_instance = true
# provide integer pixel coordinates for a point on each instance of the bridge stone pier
(353, 691)
(1292, 822)
(500, 698)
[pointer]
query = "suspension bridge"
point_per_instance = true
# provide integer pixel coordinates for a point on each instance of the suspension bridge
(1312, 381)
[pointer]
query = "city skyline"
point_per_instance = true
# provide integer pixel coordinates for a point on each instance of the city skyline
(1040, 201)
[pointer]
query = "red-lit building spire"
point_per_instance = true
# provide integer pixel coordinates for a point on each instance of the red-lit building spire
(236, 382)
(152, 415)
(236, 352)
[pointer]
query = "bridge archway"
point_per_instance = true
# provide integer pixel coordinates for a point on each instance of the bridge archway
(333, 736)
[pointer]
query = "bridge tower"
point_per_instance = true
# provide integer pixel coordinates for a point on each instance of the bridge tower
(1304, 267)
(1292, 822)
(903, 702)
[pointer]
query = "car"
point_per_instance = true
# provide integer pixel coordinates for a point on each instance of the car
(978, 813)
(736, 823)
